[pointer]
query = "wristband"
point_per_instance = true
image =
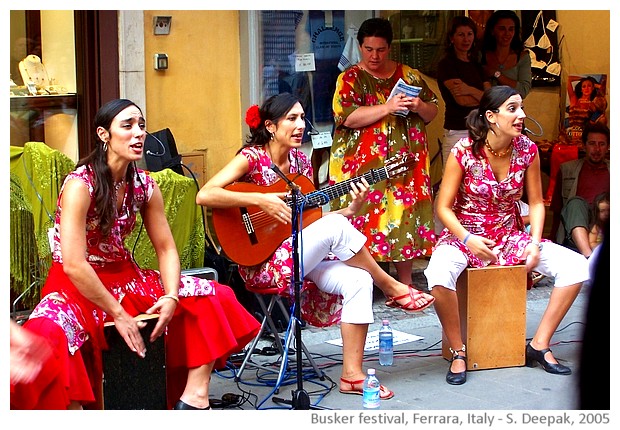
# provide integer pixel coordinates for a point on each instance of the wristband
(466, 237)
(169, 296)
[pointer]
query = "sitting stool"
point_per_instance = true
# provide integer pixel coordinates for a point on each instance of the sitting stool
(268, 326)
(492, 303)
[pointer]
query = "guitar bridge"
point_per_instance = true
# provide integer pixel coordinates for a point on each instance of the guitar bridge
(249, 227)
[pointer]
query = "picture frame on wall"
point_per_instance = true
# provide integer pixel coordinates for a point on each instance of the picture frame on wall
(586, 103)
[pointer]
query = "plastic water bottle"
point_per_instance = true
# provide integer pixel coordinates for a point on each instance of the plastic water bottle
(372, 396)
(386, 344)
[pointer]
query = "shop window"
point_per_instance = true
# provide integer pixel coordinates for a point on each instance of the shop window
(43, 83)
(300, 51)
(419, 37)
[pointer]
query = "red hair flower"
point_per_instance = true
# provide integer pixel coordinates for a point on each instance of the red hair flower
(252, 116)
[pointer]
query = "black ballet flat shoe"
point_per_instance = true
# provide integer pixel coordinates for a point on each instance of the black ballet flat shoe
(457, 378)
(533, 355)
(182, 406)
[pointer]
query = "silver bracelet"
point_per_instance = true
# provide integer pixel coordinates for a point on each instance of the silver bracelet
(169, 296)
(538, 244)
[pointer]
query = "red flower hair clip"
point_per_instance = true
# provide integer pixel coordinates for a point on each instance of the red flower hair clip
(252, 116)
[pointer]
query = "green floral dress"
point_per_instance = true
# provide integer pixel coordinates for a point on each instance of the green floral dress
(397, 217)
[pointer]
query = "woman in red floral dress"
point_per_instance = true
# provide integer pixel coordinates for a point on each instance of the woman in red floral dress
(94, 279)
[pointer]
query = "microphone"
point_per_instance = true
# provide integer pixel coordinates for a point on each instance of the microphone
(527, 130)
(285, 178)
(149, 152)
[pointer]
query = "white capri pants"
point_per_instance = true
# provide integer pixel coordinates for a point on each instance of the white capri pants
(334, 233)
(566, 266)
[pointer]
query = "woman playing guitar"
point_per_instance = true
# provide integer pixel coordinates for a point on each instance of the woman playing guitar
(333, 255)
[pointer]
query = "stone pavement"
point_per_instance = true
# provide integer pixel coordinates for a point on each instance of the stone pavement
(418, 374)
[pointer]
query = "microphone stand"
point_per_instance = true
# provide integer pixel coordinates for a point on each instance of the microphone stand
(300, 398)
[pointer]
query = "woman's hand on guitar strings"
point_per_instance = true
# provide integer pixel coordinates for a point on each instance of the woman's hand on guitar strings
(359, 193)
(275, 205)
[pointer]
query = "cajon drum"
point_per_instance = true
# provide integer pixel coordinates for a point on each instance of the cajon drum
(492, 308)
(131, 382)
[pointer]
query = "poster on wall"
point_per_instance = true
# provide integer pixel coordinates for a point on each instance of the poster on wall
(586, 103)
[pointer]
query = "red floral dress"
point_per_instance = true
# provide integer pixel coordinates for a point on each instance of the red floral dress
(209, 324)
(398, 214)
(490, 208)
(318, 308)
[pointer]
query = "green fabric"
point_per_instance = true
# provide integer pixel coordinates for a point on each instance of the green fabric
(185, 220)
(37, 174)
(40, 170)
(24, 265)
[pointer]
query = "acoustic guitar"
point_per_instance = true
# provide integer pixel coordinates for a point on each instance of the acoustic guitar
(249, 236)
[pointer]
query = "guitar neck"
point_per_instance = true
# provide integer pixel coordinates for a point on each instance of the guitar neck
(325, 195)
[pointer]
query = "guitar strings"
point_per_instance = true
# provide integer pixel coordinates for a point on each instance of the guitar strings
(261, 218)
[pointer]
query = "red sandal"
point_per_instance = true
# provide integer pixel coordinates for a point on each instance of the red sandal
(384, 392)
(414, 295)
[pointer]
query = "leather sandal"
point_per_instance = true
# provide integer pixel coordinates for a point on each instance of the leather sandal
(413, 295)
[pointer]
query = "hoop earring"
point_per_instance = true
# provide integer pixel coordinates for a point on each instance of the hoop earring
(105, 146)
(272, 135)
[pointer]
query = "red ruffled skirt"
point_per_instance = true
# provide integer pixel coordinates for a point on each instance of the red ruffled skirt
(204, 329)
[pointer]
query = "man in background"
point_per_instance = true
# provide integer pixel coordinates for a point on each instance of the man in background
(577, 184)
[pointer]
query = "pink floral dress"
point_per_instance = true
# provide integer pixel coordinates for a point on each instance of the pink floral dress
(318, 308)
(126, 278)
(208, 324)
(490, 208)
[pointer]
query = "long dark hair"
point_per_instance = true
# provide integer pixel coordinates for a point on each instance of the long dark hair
(375, 27)
(579, 91)
(97, 163)
(460, 21)
(273, 110)
(477, 122)
(489, 43)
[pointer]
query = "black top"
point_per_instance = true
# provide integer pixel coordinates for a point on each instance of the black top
(469, 72)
